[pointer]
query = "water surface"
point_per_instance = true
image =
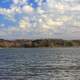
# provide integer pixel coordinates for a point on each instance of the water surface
(40, 64)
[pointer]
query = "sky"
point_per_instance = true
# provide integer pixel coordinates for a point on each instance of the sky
(35, 19)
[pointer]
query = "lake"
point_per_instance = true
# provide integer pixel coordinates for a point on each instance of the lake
(40, 64)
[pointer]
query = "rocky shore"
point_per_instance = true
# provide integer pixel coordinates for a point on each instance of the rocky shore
(24, 43)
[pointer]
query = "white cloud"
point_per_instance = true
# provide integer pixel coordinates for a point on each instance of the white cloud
(11, 11)
(23, 24)
(46, 19)
(74, 8)
(16, 1)
(66, 7)
(60, 7)
(64, 18)
(52, 23)
(76, 24)
(40, 11)
(19, 1)
(27, 9)
(51, 3)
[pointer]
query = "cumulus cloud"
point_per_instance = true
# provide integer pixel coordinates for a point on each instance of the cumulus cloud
(19, 1)
(67, 7)
(23, 24)
(42, 18)
(27, 9)
(60, 7)
(52, 23)
(64, 18)
(73, 8)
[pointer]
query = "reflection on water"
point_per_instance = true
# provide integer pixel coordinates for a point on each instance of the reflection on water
(40, 64)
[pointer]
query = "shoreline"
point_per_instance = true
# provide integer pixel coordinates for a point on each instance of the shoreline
(39, 43)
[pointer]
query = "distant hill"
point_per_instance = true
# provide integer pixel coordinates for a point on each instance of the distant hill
(24, 43)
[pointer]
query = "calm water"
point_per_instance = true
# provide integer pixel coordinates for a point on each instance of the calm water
(40, 64)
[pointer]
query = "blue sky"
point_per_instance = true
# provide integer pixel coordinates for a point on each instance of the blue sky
(5, 3)
(32, 19)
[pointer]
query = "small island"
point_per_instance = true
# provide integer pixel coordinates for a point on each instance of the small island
(27, 43)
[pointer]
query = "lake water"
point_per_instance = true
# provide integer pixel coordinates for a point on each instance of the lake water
(40, 64)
